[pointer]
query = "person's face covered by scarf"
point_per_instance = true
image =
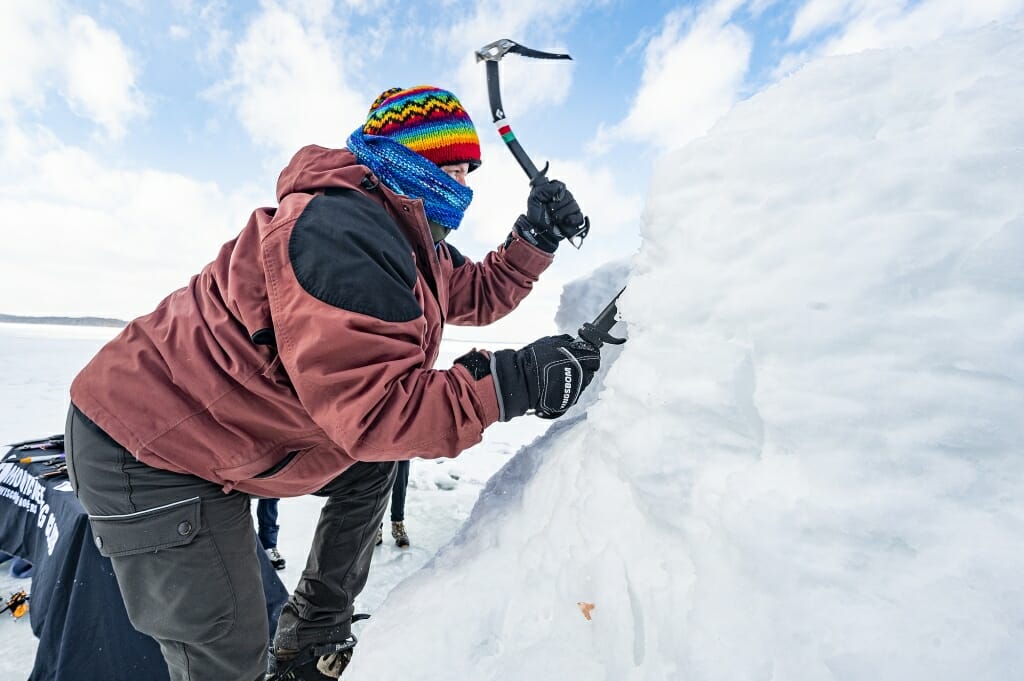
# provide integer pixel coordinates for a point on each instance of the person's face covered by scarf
(458, 172)
(432, 123)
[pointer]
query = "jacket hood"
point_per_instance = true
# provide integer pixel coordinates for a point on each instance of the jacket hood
(314, 168)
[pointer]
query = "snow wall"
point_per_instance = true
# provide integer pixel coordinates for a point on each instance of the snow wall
(808, 460)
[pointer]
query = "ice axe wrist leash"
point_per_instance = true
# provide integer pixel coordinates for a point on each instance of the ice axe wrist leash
(492, 54)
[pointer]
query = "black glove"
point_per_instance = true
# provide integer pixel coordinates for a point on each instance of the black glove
(548, 376)
(552, 214)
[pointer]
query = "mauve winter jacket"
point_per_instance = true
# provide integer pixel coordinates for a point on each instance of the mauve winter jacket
(308, 343)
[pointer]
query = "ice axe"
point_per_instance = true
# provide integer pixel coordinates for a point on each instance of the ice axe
(492, 54)
(594, 333)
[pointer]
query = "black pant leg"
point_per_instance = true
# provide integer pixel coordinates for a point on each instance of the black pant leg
(183, 553)
(266, 519)
(398, 492)
(320, 610)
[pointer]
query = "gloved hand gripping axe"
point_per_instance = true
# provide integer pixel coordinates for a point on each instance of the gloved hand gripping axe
(492, 54)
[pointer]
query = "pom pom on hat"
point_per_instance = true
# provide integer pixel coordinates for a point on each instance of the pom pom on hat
(428, 120)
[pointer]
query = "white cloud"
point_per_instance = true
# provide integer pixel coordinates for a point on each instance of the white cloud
(526, 84)
(28, 32)
(366, 5)
(310, 11)
(102, 241)
(289, 83)
(758, 7)
(86, 63)
(100, 76)
(204, 22)
(873, 24)
(818, 15)
(695, 67)
(693, 72)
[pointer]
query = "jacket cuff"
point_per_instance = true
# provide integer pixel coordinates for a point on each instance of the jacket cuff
(510, 385)
(482, 388)
(526, 257)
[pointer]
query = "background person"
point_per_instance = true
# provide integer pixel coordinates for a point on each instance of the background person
(267, 529)
(398, 531)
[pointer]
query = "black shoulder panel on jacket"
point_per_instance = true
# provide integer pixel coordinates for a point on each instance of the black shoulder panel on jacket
(458, 260)
(347, 252)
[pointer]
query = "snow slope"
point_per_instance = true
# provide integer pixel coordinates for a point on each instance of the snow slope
(806, 462)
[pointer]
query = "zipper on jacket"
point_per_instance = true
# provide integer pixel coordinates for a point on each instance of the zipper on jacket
(279, 466)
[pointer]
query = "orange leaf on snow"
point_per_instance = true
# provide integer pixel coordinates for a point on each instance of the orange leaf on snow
(585, 608)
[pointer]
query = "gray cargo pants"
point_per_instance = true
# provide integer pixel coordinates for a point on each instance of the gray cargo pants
(184, 554)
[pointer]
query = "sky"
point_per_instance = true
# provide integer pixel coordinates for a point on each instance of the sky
(135, 137)
(804, 464)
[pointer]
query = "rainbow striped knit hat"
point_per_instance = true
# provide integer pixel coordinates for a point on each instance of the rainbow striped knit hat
(428, 120)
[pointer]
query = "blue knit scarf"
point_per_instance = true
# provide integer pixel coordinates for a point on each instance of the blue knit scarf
(406, 172)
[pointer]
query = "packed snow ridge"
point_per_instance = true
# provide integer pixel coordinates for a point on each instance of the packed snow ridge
(806, 461)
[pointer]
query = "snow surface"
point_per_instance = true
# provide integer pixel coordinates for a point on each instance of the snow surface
(805, 463)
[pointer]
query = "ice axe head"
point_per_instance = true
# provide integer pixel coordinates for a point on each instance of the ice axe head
(495, 51)
(499, 48)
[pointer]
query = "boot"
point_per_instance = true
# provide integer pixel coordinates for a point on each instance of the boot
(398, 532)
(276, 559)
(380, 534)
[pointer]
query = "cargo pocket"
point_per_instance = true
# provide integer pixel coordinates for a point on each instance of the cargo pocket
(170, 572)
(146, 531)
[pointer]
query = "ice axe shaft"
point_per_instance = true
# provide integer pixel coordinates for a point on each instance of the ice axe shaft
(504, 129)
(492, 54)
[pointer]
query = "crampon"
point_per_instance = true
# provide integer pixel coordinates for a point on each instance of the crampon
(317, 662)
